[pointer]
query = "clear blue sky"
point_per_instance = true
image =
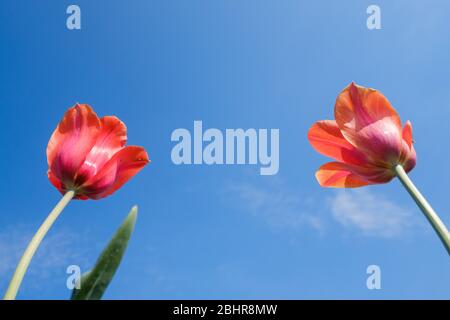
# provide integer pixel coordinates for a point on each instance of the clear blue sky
(226, 231)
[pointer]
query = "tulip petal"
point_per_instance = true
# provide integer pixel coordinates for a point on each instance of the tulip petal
(370, 123)
(56, 182)
(100, 183)
(407, 133)
(339, 175)
(408, 157)
(72, 140)
(120, 168)
(111, 138)
(409, 162)
(357, 107)
(327, 139)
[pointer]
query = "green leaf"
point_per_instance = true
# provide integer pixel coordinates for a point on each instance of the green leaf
(95, 281)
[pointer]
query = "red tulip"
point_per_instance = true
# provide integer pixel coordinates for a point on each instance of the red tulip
(366, 140)
(88, 155)
(87, 159)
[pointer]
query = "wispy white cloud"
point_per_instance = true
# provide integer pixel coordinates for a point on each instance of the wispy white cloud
(58, 250)
(278, 204)
(372, 214)
(359, 210)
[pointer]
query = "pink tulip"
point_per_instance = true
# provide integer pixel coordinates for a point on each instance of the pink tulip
(366, 140)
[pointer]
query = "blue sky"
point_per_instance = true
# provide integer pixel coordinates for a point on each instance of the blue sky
(225, 231)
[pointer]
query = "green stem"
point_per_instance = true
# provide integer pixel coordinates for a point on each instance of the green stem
(426, 208)
(24, 262)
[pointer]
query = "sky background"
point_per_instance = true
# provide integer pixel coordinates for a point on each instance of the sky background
(206, 232)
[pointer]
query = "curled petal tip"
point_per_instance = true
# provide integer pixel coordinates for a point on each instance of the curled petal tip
(407, 134)
(81, 106)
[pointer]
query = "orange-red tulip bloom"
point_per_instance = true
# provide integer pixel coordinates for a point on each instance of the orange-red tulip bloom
(88, 155)
(366, 140)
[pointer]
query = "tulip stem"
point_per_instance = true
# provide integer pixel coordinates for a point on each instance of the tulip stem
(426, 208)
(24, 262)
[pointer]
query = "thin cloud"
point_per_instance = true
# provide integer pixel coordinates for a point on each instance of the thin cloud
(372, 214)
(288, 208)
(57, 251)
(279, 205)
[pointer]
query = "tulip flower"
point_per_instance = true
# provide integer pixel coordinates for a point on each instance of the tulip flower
(369, 146)
(88, 155)
(87, 159)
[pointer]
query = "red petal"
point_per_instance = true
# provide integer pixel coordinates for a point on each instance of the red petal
(369, 122)
(327, 139)
(407, 134)
(343, 175)
(357, 107)
(56, 182)
(112, 138)
(408, 158)
(120, 168)
(339, 175)
(71, 141)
